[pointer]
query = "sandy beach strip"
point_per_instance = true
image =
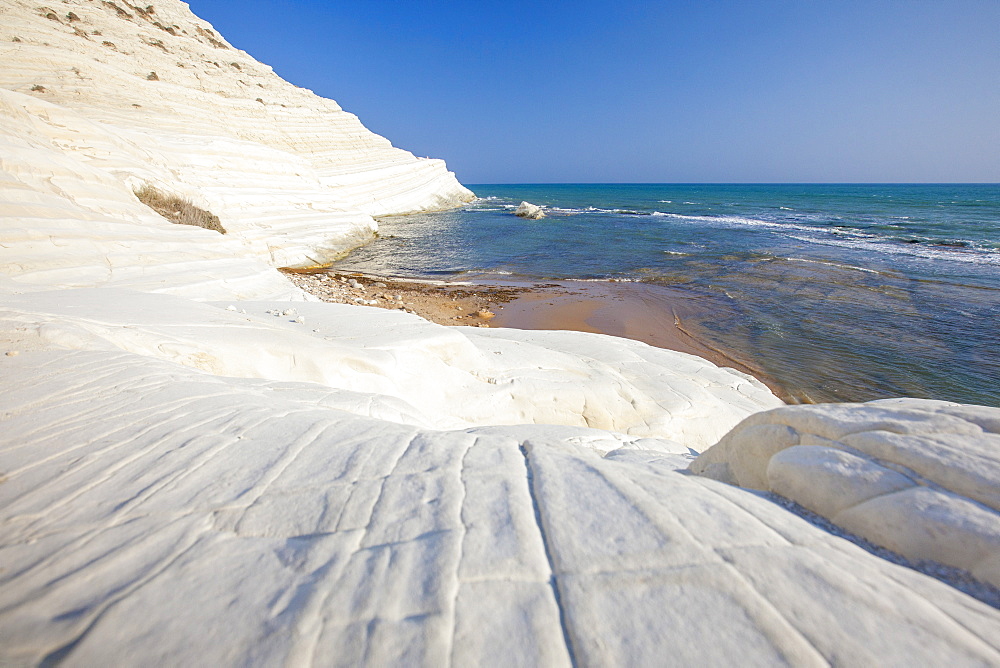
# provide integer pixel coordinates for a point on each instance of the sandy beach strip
(659, 316)
(656, 315)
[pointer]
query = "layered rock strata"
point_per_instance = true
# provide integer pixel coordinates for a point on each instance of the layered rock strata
(152, 95)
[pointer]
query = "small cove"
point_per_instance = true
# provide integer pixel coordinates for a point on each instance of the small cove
(838, 292)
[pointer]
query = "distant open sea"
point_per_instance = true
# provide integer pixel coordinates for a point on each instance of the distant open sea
(839, 292)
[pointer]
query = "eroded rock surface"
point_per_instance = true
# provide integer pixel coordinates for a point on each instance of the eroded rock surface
(291, 174)
(919, 477)
(152, 513)
(420, 373)
(529, 210)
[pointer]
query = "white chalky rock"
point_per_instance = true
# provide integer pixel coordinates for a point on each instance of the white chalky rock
(528, 210)
(919, 477)
(295, 180)
(182, 484)
(152, 514)
(568, 378)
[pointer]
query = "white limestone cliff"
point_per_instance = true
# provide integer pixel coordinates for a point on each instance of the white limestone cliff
(151, 94)
(187, 478)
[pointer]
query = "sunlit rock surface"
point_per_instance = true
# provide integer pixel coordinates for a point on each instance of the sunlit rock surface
(151, 94)
(411, 370)
(174, 490)
(187, 478)
(529, 210)
(919, 477)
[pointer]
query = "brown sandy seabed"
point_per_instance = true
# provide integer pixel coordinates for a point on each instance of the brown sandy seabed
(653, 315)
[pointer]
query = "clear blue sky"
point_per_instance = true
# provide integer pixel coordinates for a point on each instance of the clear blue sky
(669, 91)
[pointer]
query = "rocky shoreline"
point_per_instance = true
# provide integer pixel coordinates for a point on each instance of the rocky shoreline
(442, 303)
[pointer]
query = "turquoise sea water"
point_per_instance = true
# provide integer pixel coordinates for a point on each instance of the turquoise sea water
(840, 292)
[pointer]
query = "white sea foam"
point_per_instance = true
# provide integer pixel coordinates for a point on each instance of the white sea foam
(833, 264)
(614, 279)
(576, 211)
(981, 257)
(757, 222)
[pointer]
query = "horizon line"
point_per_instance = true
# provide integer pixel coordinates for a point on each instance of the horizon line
(736, 183)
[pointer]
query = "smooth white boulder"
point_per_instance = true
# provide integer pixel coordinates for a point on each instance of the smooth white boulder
(919, 477)
(528, 210)
(828, 480)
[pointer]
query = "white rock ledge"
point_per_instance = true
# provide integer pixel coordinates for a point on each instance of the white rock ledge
(153, 513)
(919, 477)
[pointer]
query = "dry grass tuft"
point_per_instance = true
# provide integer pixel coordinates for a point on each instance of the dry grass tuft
(118, 10)
(178, 210)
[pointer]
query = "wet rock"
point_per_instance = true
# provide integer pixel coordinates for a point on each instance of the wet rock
(528, 210)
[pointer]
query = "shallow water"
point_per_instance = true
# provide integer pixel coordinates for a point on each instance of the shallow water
(840, 292)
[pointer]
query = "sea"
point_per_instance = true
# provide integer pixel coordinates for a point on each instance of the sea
(838, 292)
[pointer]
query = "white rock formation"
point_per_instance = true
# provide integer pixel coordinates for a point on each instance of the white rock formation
(153, 514)
(529, 210)
(192, 472)
(919, 477)
(408, 369)
(151, 94)
(65, 222)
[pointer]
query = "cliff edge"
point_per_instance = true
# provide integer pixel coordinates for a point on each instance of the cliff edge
(153, 95)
